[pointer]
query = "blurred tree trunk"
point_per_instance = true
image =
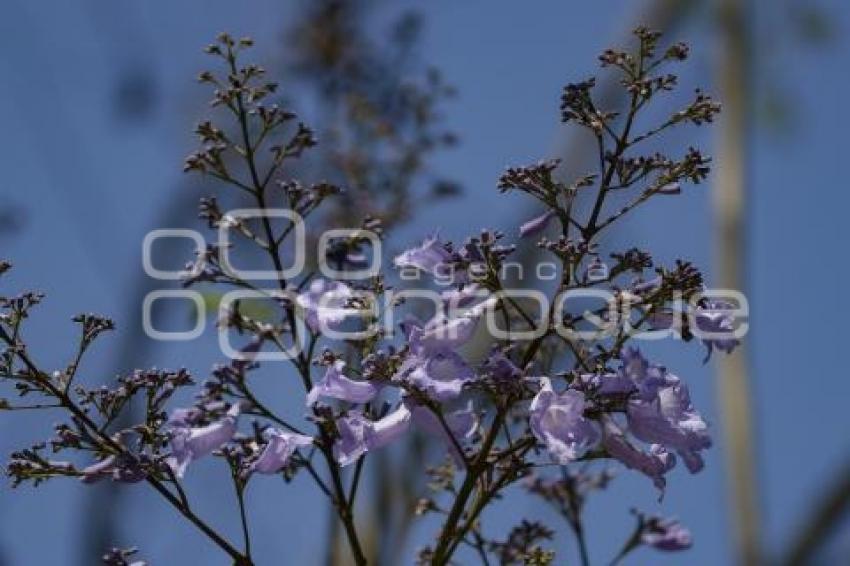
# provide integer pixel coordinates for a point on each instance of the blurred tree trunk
(730, 250)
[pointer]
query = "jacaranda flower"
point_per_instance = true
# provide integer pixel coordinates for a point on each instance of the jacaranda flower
(190, 443)
(715, 317)
(337, 386)
(669, 419)
(557, 420)
(536, 224)
(654, 464)
(280, 446)
(324, 304)
(358, 434)
(430, 256)
(353, 431)
(441, 374)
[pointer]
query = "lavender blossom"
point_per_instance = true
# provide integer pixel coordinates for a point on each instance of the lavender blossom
(324, 304)
(191, 443)
(646, 378)
(536, 225)
(433, 365)
(352, 442)
(337, 386)
(557, 420)
(389, 428)
(280, 447)
(653, 464)
(430, 256)
(441, 375)
(452, 332)
(670, 419)
(358, 435)
(715, 317)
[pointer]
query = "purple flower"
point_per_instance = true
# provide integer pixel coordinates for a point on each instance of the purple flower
(665, 534)
(670, 419)
(430, 256)
(280, 447)
(536, 224)
(441, 375)
(190, 443)
(716, 317)
(389, 428)
(442, 332)
(336, 385)
(432, 364)
(324, 304)
(660, 410)
(647, 378)
(653, 464)
(358, 435)
(351, 443)
(557, 420)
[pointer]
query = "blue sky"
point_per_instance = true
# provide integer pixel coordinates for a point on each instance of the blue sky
(88, 186)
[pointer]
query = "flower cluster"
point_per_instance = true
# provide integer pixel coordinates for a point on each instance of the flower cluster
(512, 411)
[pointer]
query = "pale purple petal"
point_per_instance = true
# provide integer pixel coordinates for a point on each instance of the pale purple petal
(443, 332)
(441, 375)
(716, 317)
(653, 464)
(609, 384)
(430, 256)
(358, 435)
(671, 420)
(536, 225)
(324, 304)
(336, 385)
(352, 443)
(280, 447)
(647, 378)
(389, 428)
(189, 444)
(557, 420)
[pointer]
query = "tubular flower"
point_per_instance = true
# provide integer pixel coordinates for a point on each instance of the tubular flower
(536, 224)
(190, 443)
(337, 386)
(358, 435)
(670, 419)
(654, 464)
(280, 447)
(324, 304)
(430, 256)
(557, 420)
